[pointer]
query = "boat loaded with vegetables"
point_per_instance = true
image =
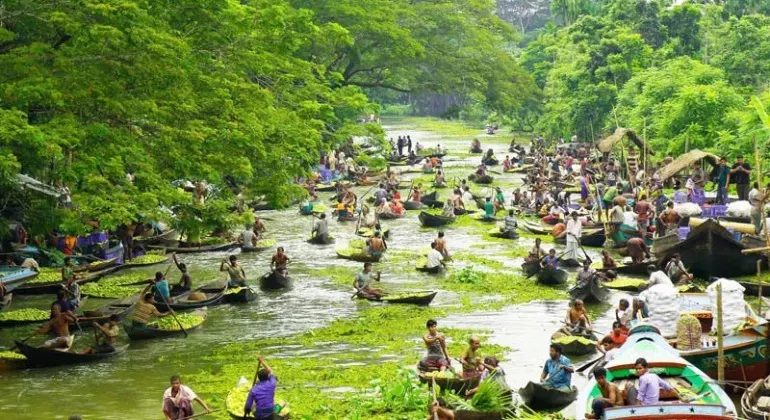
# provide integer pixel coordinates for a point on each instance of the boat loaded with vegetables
(696, 396)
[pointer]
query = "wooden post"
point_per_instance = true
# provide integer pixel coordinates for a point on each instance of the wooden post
(759, 281)
(720, 339)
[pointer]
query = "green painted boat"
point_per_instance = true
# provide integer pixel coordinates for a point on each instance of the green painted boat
(702, 397)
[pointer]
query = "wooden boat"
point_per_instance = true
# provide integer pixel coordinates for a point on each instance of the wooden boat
(745, 351)
(537, 397)
(704, 398)
(149, 332)
(413, 205)
(433, 270)
(627, 285)
(490, 161)
(570, 263)
(414, 298)
(592, 237)
(239, 295)
(317, 209)
(582, 344)
(486, 179)
(262, 245)
(101, 265)
(552, 276)
(431, 200)
(529, 268)
(496, 233)
(430, 220)
(54, 286)
(590, 291)
(520, 169)
(236, 401)
(145, 240)
(13, 277)
(711, 251)
(358, 256)
(750, 400)
(390, 216)
(38, 356)
(275, 281)
(476, 150)
(130, 264)
(12, 362)
(621, 236)
(322, 240)
(457, 385)
(368, 233)
(119, 307)
(182, 301)
(193, 249)
(535, 227)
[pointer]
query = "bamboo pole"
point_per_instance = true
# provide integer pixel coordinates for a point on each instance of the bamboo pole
(759, 281)
(720, 339)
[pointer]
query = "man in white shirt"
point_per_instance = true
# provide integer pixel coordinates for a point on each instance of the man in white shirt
(248, 238)
(657, 277)
(467, 197)
(434, 257)
(624, 313)
(574, 232)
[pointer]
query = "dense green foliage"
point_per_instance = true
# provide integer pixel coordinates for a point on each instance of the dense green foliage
(683, 75)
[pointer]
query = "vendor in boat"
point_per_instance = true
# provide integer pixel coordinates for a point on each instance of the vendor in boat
(279, 261)
(144, 309)
(259, 228)
(160, 287)
(577, 320)
(67, 272)
(586, 273)
(466, 196)
(261, 399)
(558, 369)
(438, 356)
(427, 166)
(435, 258)
(490, 370)
(380, 193)
(363, 281)
(59, 327)
(235, 272)
(470, 359)
(72, 289)
(618, 335)
(637, 250)
(249, 238)
(441, 245)
(657, 276)
(611, 395)
(550, 260)
(499, 199)
(510, 223)
(376, 245)
(349, 198)
(178, 399)
(416, 193)
(475, 145)
(439, 179)
(449, 209)
(507, 163)
(489, 209)
(306, 207)
(342, 210)
(537, 252)
(368, 220)
(624, 314)
(185, 282)
(650, 385)
(64, 303)
(105, 336)
(457, 199)
(607, 261)
(396, 207)
(321, 228)
(481, 171)
(676, 271)
(608, 349)
(669, 219)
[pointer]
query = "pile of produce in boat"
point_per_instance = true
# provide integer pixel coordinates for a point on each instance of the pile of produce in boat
(398, 296)
(447, 374)
(265, 243)
(127, 279)
(27, 314)
(569, 339)
(170, 324)
(148, 258)
(12, 355)
(47, 275)
(629, 285)
(109, 291)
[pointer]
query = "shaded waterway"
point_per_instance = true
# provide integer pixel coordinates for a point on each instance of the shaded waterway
(131, 385)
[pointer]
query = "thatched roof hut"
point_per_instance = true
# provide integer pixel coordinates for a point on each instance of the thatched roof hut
(685, 160)
(606, 144)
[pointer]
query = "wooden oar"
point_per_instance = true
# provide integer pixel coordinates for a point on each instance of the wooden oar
(199, 415)
(16, 345)
(541, 260)
(254, 382)
(168, 305)
(581, 369)
(435, 397)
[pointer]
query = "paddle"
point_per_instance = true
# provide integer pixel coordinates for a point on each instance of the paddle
(359, 291)
(254, 382)
(16, 345)
(581, 369)
(199, 415)
(541, 260)
(168, 305)
(435, 398)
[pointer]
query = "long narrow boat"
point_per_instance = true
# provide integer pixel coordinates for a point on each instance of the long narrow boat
(143, 240)
(430, 220)
(119, 307)
(413, 205)
(575, 344)
(552, 276)
(496, 233)
(519, 169)
(534, 227)
(322, 240)
(390, 216)
(13, 277)
(53, 286)
(38, 356)
(356, 254)
(621, 268)
(711, 250)
(262, 245)
(236, 401)
(590, 291)
(369, 232)
(455, 384)
(486, 179)
(704, 399)
(433, 270)
(753, 397)
(183, 302)
(537, 397)
(275, 281)
(150, 331)
(193, 249)
(240, 295)
(131, 264)
(414, 298)
(591, 237)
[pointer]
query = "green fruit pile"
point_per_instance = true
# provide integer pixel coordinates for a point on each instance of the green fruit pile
(447, 374)
(265, 243)
(148, 259)
(12, 355)
(128, 279)
(236, 399)
(631, 285)
(28, 314)
(405, 295)
(47, 275)
(170, 324)
(569, 339)
(233, 290)
(108, 291)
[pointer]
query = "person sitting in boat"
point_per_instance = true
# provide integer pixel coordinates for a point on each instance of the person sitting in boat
(185, 283)
(624, 314)
(396, 207)
(363, 281)
(550, 260)
(490, 371)
(178, 399)
(437, 357)
(105, 336)
(657, 277)
(577, 319)
(279, 262)
(160, 287)
(510, 223)
(608, 349)
(475, 145)
(342, 210)
(306, 207)
(481, 170)
(65, 305)
(558, 369)
(650, 385)
(321, 228)
(611, 395)
(59, 327)
(637, 250)
(441, 245)
(367, 218)
(489, 209)
(676, 271)
(607, 261)
(435, 258)
(72, 289)
(439, 179)
(237, 276)
(261, 398)
(507, 163)
(554, 214)
(392, 180)
(427, 166)
(586, 273)
(499, 199)
(449, 209)
(349, 198)
(259, 228)
(416, 193)
(470, 359)
(249, 238)
(537, 252)
(376, 246)
(618, 335)
(144, 309)
(466, 196)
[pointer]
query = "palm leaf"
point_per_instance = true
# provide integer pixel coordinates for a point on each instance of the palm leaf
(761, 111)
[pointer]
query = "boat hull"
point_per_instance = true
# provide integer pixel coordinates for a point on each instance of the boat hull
(538, 397)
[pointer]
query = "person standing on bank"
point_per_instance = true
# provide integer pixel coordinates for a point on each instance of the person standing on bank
(739, 175)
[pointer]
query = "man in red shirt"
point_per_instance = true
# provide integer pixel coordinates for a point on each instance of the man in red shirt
(618, 335)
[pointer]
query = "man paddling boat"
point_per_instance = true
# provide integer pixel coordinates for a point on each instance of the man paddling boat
(178, 399)
(261, 398)
(106, 335)
(363, 281)
(321, 228)
(470, 359)
(279, 262)
(558, 369)
(237, 277)
(376, 246)
(434, 257)
(144, 310)
(437, 357)
(59, 326)
(611, 395)
(441, 245)
(577, 319)
(185, 282)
